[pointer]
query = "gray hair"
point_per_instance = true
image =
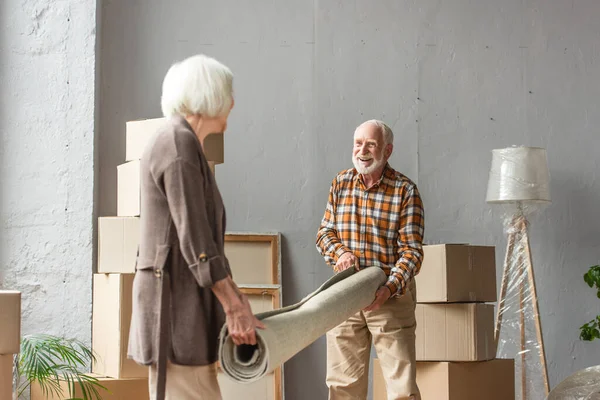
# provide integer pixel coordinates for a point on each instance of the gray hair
(198, 85)
(386, 131)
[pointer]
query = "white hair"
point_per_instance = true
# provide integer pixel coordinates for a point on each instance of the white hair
(386, 131)
(198, 85)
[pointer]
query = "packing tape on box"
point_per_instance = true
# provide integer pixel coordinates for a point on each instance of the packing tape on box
(291, 329)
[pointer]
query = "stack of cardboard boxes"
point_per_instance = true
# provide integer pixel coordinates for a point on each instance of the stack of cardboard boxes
(456, 351)
(10, 338)
(118, 239)
(254, 258)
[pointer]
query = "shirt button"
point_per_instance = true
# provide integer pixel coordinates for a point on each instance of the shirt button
(157, 273)
(203, 257)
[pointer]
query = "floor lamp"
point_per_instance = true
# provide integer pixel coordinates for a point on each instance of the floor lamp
(520, 181)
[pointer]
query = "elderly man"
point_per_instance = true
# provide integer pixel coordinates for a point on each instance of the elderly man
(374, 218)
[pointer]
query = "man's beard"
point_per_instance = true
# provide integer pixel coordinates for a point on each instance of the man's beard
(377, 163)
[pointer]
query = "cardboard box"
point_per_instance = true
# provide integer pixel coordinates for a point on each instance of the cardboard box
(116, 389)
(128, 189)
(489, 380)
(457, 273)
(118, 240)
(455, 332)
(10, 315)
(139, 133)
(6, 364)
(111, 319)
(214, 148)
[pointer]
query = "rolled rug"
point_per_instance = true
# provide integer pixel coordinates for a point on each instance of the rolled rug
(291, 329)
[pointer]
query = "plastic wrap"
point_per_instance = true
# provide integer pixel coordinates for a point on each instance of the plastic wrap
(519, 182)
(521, 334)
(582, 385)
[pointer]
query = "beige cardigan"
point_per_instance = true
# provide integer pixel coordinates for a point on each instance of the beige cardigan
(181, 255)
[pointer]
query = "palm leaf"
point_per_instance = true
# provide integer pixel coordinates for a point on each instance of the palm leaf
(50, 361)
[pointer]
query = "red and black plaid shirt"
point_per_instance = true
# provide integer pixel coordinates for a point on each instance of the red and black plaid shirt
(382, 226)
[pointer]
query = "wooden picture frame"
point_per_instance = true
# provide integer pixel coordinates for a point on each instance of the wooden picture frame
(266, 290)
(258, 245)
(274, 292)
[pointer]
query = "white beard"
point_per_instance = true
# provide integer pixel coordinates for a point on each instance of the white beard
(377, 163)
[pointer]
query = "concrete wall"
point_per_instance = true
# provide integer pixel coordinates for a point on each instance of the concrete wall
(46, 161)
(454, 82)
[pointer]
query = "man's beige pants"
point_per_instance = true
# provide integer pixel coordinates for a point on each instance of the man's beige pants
(188, 382)
(392, 330)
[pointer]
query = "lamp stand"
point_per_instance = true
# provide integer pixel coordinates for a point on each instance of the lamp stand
(518, 232)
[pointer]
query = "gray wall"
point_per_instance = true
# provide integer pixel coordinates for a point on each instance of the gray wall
(454, 81)
(47, 67)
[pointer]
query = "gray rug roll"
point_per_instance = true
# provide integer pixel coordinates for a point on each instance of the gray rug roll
(291, 329)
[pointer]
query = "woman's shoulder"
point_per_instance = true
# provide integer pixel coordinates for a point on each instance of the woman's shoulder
(175, 140)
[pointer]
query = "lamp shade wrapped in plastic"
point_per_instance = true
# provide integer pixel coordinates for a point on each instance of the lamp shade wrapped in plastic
(519, 174)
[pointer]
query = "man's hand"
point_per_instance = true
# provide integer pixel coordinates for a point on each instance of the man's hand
(242, 324)
(381, 296)
(346, 260)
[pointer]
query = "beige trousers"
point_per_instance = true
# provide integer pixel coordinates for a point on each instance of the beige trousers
(391, 328)
(188, 382)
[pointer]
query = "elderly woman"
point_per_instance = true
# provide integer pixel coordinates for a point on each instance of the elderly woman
(183, 292)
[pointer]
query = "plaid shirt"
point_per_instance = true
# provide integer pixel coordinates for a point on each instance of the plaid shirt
(382, 226)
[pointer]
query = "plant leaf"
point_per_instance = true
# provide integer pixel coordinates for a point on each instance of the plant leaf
(51, 361)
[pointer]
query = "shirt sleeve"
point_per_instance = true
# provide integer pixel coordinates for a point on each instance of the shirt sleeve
(410, 241)
(183, 184)
(329, 244)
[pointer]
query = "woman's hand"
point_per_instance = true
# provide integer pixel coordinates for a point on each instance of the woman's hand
(242, 324)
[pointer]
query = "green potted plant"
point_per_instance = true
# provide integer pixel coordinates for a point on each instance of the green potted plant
(50, 362)
(591, 330)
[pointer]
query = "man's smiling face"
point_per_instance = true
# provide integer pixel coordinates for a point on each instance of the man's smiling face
(370, 151)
